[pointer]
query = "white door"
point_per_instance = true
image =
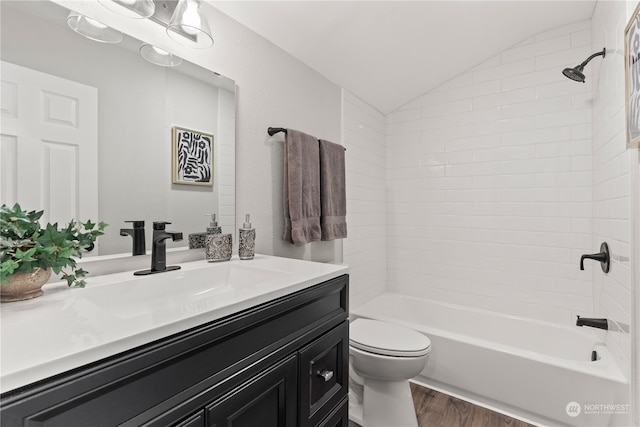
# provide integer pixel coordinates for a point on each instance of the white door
(49, 145)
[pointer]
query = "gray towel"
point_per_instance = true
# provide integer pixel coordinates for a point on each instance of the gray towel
(301, 188)
(333, 198)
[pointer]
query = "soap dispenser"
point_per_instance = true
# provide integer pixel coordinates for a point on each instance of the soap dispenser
(213, 227)
(198, 240)
(247, 240)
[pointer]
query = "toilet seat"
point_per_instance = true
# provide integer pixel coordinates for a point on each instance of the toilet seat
(387, 339)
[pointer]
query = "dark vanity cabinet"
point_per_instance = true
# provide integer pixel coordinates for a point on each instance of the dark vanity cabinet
(281, 363)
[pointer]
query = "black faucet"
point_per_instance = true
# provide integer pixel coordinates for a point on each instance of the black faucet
(602, 256)
(137, 234)
(594, 323)
(159, 249)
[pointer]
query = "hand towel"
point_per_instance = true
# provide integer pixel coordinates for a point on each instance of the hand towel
(301, 188)
(333, 198)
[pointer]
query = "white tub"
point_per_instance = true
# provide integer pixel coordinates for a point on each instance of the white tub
(530, 369)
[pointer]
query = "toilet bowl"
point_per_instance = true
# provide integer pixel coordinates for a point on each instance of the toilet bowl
(382, 358)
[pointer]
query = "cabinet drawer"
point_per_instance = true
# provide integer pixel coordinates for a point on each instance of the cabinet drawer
(324, 374)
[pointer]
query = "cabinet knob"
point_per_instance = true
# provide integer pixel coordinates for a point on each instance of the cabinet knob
(326, 375)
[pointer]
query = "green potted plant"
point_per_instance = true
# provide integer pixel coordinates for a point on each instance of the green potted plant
(29, 252)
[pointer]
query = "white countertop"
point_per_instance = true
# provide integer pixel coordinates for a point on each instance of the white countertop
(70, 327)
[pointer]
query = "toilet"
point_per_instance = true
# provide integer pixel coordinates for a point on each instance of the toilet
(382, 358)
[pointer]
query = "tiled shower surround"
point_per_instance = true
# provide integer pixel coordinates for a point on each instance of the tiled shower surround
(500, 179)
(496, 183)
(489, 183)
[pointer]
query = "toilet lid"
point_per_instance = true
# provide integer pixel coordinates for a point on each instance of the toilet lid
(387, 339)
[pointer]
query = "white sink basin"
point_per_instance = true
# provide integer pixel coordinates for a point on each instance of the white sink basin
(179, 289)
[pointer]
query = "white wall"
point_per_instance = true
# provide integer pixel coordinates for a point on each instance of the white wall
(273, 89)
(489, 184)
(365, 250)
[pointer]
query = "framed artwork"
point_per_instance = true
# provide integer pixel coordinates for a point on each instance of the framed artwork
(632, 77)
(191, 157)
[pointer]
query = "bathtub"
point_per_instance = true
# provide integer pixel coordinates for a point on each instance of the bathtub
(537, 371)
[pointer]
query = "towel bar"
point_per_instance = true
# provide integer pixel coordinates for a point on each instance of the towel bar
(272, 131)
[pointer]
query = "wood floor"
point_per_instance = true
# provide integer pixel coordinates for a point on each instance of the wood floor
(435, 409)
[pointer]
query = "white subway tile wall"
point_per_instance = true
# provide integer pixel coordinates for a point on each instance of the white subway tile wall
(611, 176)
(489, 184)
(365, 249)
(226, 161)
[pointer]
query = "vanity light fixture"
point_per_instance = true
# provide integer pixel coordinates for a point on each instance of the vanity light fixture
(131, 8)
(182, 19)
(188, 27)
(92, 29)
(158, 56)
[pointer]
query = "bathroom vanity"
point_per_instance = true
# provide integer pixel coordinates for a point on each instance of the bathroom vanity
(248, 343)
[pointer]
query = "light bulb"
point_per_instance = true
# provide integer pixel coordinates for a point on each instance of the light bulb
(188, 27)
(92, 29)
(95, 23)
(160, 51)
(158, 56)
(191, 18)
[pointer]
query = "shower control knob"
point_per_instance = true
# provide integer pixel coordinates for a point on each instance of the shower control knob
(602, 257)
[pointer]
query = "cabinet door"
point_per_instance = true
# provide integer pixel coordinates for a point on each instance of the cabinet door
(269, 400)
(339, 417)
(324, 374)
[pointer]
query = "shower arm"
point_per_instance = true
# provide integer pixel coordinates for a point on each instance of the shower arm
(586, 61)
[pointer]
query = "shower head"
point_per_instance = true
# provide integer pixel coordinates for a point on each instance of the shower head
(575, 73)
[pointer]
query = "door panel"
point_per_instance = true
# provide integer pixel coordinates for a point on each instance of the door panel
(49, 145)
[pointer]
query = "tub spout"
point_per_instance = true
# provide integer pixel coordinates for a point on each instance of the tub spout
(594, 323)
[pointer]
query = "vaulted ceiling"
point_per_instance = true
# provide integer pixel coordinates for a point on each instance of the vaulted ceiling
(389, 52)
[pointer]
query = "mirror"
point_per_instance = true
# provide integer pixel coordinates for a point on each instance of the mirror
(138, 104)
